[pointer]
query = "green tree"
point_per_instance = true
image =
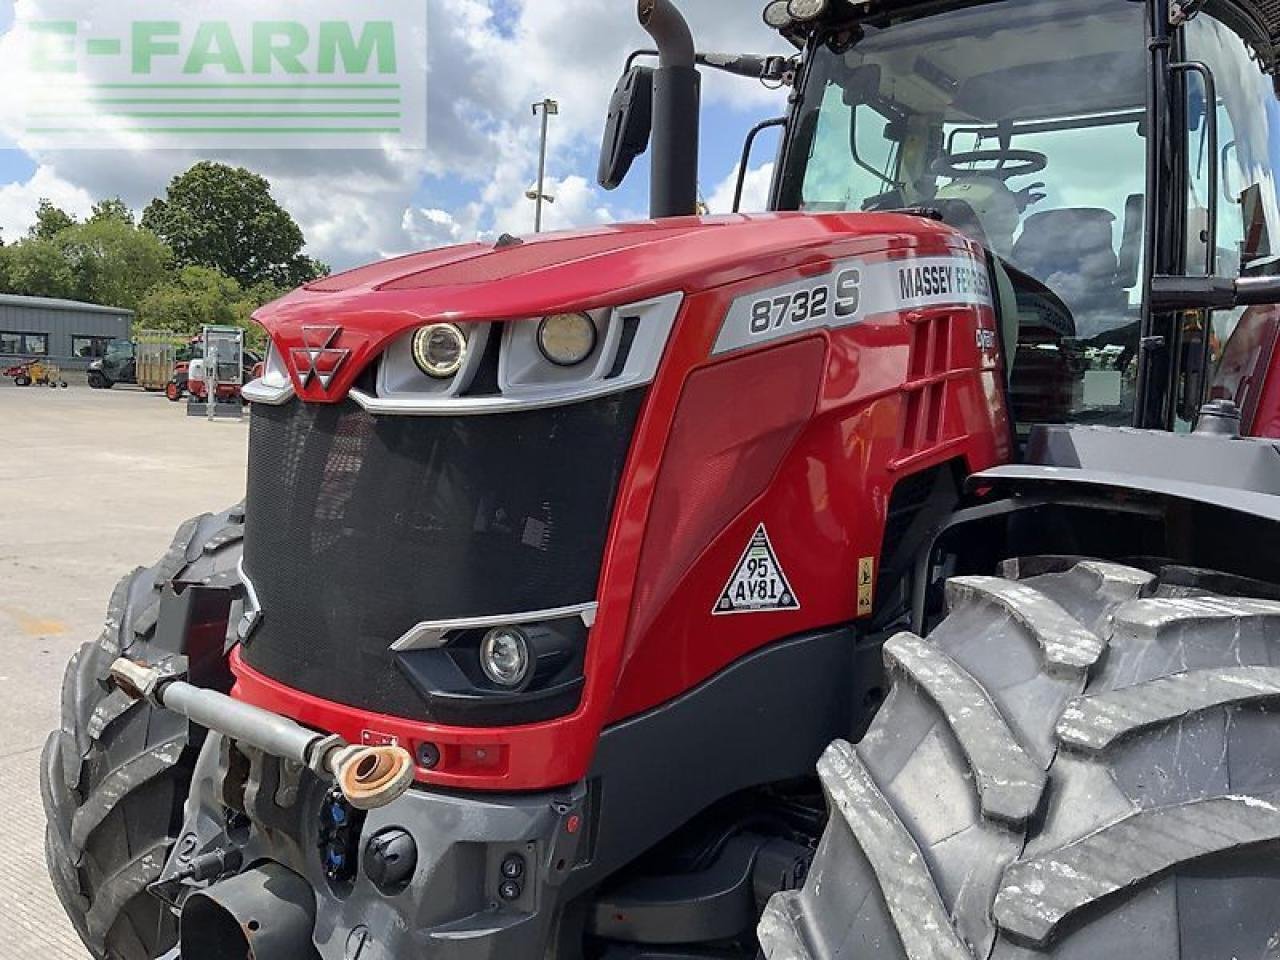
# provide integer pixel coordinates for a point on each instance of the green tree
(112, 209)
(50, 221)
(36, 268)
(224, 217)
(197, 296)
(113, 261)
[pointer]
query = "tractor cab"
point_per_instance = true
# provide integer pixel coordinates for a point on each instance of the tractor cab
(994, 119)
(1026, 125)
(1036, 129)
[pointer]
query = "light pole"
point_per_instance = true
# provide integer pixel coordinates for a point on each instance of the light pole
(549, 108)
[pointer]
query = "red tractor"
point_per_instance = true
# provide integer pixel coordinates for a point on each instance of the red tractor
(566, 561)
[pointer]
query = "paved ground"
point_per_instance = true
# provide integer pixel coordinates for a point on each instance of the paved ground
(92, 484)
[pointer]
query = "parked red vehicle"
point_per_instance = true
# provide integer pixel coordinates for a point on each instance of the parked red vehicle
(181, 384)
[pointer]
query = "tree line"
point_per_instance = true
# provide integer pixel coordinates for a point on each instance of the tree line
(212, 250)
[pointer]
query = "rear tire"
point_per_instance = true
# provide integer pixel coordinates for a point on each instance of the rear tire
(115, 776)
(22, 381)
(1084, 763)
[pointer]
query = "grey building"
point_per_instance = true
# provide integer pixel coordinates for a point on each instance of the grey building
(65, 331)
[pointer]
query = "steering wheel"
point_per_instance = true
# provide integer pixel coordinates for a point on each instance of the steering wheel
(1007, 163)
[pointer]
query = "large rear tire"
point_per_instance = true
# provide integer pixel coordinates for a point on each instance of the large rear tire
(115, 776)
(1082, 761)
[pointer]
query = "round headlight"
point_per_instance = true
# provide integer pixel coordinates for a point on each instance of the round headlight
(504, 657)
(776, 14)
(567, 339)
(439, 350)
(806, 9)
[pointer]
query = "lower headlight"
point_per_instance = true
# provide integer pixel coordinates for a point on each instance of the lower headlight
(439, 350)
(567, 339)
(505, 657)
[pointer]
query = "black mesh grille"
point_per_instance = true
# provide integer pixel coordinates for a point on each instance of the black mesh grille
(359, 526)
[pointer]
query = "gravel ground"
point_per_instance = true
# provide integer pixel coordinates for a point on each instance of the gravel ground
(92, 484)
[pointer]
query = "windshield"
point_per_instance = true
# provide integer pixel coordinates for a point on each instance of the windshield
(120, 348)
(1021, 122)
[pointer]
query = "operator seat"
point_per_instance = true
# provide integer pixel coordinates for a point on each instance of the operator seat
(1070, 250)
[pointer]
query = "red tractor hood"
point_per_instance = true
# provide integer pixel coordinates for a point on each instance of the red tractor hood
(345, 321)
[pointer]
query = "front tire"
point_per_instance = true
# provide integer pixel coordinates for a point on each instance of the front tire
(1081, 761)
(115, 776)
(98, 381)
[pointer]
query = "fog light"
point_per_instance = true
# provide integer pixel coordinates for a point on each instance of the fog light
(806, 9)
(439, 350)
(504, 657)
(567, 339)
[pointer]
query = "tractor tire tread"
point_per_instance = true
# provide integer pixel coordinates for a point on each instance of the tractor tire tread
(114, 776)
(1119, 695)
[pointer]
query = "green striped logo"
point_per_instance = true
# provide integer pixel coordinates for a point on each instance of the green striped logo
(164, 76)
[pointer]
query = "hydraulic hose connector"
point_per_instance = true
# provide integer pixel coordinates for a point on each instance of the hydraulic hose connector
(369, 777)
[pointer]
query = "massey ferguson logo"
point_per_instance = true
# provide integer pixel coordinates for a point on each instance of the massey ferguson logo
(319, 358)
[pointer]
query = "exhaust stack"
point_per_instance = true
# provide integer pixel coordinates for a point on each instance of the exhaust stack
(268, 913)
(673, 185)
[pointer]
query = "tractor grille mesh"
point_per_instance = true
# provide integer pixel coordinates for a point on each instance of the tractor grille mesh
(359, 527)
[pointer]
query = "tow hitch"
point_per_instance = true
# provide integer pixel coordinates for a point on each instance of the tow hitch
(368, 776)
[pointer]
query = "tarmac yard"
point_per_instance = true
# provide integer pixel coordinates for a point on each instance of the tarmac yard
(92, 484)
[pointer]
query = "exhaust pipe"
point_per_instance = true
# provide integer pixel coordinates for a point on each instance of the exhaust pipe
(673, 178)
(268, 913)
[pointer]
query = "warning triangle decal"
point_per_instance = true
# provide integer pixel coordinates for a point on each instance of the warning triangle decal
(758, 583)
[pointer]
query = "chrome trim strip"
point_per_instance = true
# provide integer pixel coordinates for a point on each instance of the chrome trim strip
(464, 406)
(429, 634)
(259, 391)
(252, 605)
(275, 386)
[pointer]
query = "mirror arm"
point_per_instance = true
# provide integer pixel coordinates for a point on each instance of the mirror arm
(746, 156)
(1212, 293)
(753, 66)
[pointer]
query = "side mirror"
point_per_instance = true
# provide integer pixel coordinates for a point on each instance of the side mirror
(626, 131)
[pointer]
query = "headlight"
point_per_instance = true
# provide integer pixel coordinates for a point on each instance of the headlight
(505, 657)
(566, 339)
(777, 15)
(439, 350)
(806, 9)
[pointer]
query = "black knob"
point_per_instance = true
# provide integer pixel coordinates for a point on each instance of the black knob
(513, 867)
(390, 858)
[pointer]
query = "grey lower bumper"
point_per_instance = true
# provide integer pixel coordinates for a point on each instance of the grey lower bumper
(460, 900)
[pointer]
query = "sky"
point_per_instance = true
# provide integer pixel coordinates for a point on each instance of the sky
(487, 61)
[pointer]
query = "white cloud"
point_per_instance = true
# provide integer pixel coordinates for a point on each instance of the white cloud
(18, 201)
(358, 205)
(755, 190)
(426, 227)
